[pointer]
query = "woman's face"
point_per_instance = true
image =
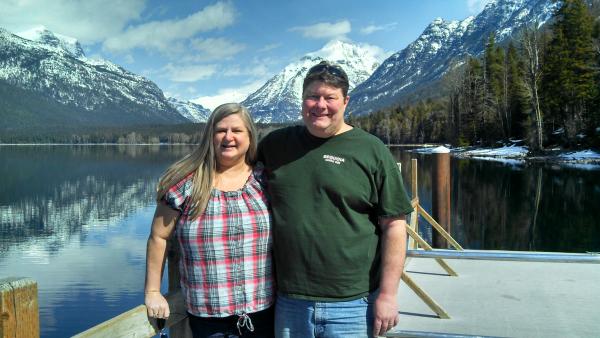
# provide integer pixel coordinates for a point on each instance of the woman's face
(231, 141)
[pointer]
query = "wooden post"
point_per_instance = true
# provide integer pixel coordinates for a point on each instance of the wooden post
(19, 311)
(182, 328)
(415, 196)
(414, 179)
(440, 186)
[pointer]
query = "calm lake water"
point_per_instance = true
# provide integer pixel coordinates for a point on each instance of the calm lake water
(76, 219)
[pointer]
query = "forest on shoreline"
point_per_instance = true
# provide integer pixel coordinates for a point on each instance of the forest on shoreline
(541, 88)
(187, 133)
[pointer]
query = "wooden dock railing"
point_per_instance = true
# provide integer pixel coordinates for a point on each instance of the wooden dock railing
(416, 241)
(19, 310)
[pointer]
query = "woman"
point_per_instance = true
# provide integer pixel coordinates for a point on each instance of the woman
(213, 199)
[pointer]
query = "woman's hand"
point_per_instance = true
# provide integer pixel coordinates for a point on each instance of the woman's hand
(157, 305)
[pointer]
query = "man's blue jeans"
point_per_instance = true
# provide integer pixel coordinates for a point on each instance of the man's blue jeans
(296, 318)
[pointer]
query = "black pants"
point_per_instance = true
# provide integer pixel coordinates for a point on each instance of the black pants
(207, 327)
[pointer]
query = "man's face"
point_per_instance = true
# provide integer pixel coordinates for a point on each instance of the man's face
(323, 109)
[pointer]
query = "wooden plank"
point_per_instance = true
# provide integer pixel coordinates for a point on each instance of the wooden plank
(135, 322)
(19, 311)
(414, 222)
(412, 243)
(414, 203)
(439, 228)
(433, 305)
(415, 191)
(426, 246)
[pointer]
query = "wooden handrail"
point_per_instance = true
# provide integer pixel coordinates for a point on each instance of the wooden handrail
(136, 323)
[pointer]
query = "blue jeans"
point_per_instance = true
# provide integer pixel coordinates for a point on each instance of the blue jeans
(296, 318)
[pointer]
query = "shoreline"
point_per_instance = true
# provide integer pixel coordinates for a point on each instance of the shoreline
(506, 154)
(521, 155)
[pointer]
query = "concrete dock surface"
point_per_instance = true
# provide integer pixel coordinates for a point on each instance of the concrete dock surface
(502, 299)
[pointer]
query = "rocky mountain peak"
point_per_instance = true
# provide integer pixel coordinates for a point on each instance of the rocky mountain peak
(279, 99)
(44, 36)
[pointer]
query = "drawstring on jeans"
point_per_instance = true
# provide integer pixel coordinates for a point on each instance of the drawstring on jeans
(244, 321)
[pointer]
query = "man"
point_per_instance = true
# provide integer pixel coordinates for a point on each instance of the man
(339, 209)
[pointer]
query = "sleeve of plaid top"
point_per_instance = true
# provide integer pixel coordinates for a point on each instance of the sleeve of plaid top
(178, 194)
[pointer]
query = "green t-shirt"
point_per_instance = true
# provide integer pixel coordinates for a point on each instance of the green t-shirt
(327, 196)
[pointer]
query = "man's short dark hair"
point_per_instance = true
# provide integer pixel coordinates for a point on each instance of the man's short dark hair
(328, 73)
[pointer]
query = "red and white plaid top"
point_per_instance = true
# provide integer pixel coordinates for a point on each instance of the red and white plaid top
(226, 267)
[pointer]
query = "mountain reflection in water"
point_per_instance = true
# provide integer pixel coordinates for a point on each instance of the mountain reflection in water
(76, 220)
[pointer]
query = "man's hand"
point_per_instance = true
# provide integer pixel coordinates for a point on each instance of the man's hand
(385, 312)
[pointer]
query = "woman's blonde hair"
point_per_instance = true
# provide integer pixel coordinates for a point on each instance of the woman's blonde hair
(202, 161)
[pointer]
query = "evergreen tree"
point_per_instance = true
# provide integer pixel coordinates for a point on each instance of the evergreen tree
(594, 126)
(495, 117)
(472, 103)
(569, 83)
(516, 93)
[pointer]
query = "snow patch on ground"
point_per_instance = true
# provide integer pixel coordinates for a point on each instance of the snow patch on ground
(504, 152)
(518, 155)
(580, 155)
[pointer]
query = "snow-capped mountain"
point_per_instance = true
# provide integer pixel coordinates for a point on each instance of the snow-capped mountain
(42, 35)
(444, 44)
(190, 110)
(46, 79)
(279, 100)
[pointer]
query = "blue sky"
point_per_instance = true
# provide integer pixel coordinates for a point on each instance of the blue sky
(220, 51)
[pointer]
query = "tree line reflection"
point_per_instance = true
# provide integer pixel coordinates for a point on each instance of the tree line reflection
(54, 192)
(529, 206)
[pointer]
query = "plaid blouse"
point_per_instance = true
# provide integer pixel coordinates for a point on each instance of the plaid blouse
(225, 265)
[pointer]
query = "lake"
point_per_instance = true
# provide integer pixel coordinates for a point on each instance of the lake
(76, 219)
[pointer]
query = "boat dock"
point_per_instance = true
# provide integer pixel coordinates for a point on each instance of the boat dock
(499, 298)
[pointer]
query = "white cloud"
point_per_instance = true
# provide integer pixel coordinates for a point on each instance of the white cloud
(269, 47)
(374, 28)
(257, 70)
(325, 30)
(162, 35)
(129, 59)
(226, 95)
(89, 21)
(476, 6)
(215, 49)
(190, 73)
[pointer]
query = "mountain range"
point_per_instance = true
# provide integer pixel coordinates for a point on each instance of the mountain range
(46, 79)
(442, 45)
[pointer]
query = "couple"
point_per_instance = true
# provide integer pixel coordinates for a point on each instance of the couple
(338, 214)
